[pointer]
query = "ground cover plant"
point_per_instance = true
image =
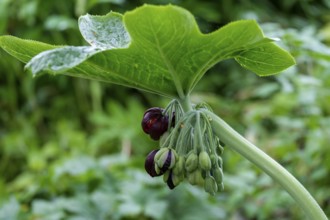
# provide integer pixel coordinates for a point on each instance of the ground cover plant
(181, 126)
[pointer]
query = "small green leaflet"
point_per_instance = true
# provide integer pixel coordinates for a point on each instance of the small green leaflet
(159, 49)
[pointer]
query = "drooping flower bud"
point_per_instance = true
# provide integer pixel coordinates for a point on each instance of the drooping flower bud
(171, 179)
(191, 162)
(165, 159)
(154, 122)
(218, 175)
(204, 161)
(210, 185)
(195, 177)
(149, 164)
(220, 162)
(214, 159)
(179, 166)
(219, 148)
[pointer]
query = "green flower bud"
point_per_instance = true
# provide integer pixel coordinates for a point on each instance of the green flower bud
(219, 149)
(176, 170)
(214, 160)
(191, 178)
(181, 163)
(177, 179)
(191, 162)
(220, 161)
(166, 175)
(218, 175)
(204, 161)
(199, 178)
(179, 166)
(210, 185)
(195, 178)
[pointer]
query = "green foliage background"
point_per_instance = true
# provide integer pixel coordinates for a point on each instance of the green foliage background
(73, 149)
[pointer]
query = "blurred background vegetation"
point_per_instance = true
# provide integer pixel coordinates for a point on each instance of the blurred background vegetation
(73, 149)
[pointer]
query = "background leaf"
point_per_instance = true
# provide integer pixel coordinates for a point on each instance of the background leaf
(10, 210)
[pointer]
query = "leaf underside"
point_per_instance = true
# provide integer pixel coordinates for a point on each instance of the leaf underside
(159, 49)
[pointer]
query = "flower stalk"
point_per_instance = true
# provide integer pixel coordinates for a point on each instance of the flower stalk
(242, 146)
(185, 103)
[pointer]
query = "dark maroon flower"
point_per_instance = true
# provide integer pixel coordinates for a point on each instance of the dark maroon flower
(149, 164)
(154, 122)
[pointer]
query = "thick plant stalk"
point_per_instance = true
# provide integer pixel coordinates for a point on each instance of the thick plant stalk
(238, 143)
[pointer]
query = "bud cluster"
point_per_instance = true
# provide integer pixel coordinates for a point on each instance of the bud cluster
(190, 150)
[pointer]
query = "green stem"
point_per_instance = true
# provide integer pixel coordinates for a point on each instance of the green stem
(185, 103)
(237, 142)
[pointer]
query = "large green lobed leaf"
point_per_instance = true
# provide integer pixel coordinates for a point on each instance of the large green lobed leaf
(159, 49)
